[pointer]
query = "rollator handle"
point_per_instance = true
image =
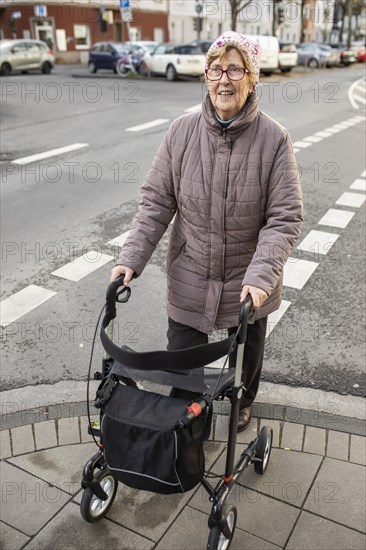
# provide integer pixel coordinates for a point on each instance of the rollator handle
(113, 296)
(244, 316)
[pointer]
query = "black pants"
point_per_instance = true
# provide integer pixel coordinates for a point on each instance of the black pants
(181, 336)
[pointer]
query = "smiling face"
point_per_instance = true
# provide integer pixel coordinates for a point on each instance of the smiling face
(229, 96)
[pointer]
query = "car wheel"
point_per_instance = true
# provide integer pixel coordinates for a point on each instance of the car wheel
(287, 70)
(144, 70)
(92, 68)
(171, 73)
(313, 63)
(46, 67)
(5, 69)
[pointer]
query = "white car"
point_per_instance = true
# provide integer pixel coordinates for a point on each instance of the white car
(269, 52)
(287, 57)
(25, 55)
(174, 60)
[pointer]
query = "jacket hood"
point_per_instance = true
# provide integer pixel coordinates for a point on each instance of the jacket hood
(244, 119)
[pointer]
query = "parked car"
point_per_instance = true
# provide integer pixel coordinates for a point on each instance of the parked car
(269, 52)
(315, 55)
(24, 56)
(204, 45)
(105, 55)
(287, 57)
(360, 48)
(175, 60)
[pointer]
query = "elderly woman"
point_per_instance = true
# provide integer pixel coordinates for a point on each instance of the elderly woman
(229, 175)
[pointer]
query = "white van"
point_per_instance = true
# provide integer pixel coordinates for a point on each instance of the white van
(269, 52)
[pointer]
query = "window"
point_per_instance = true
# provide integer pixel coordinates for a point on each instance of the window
(82, 37)
(18, 48)
(33, 48)
(160, 50)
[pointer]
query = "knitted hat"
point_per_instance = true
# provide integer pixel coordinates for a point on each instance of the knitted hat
(249, 48)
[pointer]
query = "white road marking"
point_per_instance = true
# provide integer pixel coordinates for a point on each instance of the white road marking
(360, 99)
(297, 272)
(120, 240)
(147, 125)
(318, 242)
(333, 130)
(358, 185)
(23, 302)
(351, 92)
(50, 153)
(341, 126)
(296, 150)
(336, 218)
(359, 118)
(313, 139)
(86, 264)
(194, 109)
(363, 175)
(301, 144)
(351, 199)
(323, 134)
(275, 317)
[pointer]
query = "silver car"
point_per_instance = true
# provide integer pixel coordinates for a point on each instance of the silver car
(24, 56)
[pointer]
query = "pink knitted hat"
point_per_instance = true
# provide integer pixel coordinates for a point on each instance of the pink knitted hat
(250, 49)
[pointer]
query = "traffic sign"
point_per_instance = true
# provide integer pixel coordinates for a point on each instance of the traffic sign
(123, 4)
(127, 15)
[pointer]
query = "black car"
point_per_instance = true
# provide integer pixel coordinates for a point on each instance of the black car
(105, 55)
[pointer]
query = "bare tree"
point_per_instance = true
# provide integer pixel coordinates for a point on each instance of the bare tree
(237, 6)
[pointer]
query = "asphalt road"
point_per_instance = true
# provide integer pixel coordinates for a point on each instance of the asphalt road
(56, 209)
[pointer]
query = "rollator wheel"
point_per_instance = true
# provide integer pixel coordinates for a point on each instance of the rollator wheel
(218, 540)
(263, 450)
(92, 508)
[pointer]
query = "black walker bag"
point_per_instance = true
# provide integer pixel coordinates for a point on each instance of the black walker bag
(145, 445)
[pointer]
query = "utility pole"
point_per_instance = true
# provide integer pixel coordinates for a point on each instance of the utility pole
(349, 13)
(126, 16)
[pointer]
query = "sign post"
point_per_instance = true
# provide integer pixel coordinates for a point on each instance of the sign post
(126, 15)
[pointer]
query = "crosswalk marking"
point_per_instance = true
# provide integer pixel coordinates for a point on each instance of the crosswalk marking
(120, 240)
(301, 144)
(313, 139)
(147, 125)
(358, 185)
(275, 317)
(194, 109)
(351, 199)
(363, 175)
(318, 242)
(336, 218)
(297, 272)
(50, 153)
(83, 266)
(21, 303)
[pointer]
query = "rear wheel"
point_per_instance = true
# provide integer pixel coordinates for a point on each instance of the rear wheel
(171, 73)
(286, 70)
(220, 538)
(313, 63)
(263, 450)
(46, 67)
(5, 69)
(92, 508)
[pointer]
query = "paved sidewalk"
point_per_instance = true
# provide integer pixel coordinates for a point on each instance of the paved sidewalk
(311, 497)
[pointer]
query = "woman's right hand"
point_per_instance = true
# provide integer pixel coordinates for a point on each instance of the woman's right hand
(122, 270)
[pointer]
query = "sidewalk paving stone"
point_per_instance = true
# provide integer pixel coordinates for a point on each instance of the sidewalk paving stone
(68, 431)
(289, 476)
(5, 447)
(339, 493)
(337, 446)
(61, 466)
(28, 503)
(358, 449)
(11, 539)
(191, 531)
(315, 439)
(315, 532)
(68, 531)
(292, 435)
(45, 434)
(22, 439)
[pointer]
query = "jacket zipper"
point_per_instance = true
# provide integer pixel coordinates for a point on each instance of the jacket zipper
(227, 141)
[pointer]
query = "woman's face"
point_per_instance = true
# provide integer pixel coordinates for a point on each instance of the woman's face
(228, 96)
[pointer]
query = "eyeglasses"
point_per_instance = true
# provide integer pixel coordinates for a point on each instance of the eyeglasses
(233, 73)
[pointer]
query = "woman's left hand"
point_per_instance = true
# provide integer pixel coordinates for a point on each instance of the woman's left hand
(258, 295)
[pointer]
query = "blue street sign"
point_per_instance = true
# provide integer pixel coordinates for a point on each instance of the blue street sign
(124, 4)
(40, 11)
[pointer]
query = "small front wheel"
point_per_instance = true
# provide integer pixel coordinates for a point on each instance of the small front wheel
(171, 73)
(220, 538)
(263, 450)
(92, 508)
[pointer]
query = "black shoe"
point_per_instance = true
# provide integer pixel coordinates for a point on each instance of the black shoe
(245, 415)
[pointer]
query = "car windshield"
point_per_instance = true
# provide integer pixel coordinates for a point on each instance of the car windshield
(120, 47)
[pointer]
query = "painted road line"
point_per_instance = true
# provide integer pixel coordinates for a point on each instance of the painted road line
(51, 153)
(275, 317)
(341, 126)
(23, 302)
(363, 175)
(147, 125)
(120, 240)
(332, 130)
(323, 134)
(351, 91)
(296, 150)
(336, 218)
(313, 139)
(360, 99)
(301, 144)
(297, 272)
(194, 109)
(359, 118)
(86, 264)
(318, 242)
(358, 185)
(351, 199)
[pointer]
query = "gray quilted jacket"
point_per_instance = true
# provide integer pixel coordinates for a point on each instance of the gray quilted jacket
(236, 198)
